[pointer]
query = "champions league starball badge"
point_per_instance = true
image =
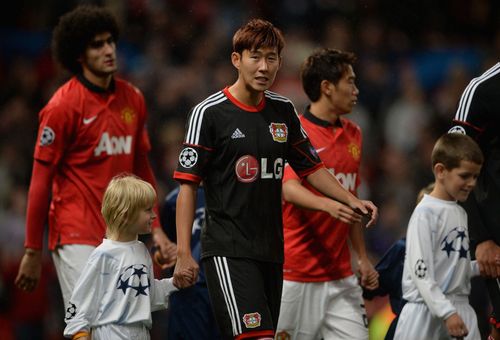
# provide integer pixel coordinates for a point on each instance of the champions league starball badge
(188, 157)
(134, 277)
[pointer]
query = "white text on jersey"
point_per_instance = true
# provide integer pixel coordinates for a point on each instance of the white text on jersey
(114, 145)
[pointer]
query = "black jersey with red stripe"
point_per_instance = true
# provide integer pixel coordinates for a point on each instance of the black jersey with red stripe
(478, 115)
(239, 151)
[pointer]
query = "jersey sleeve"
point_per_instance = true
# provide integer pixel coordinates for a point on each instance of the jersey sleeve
(143, 141)
(199, 144)
(302, 156)
(160, 292)
(81, 310)
(55, 132)
(472, 116)
(420, 259)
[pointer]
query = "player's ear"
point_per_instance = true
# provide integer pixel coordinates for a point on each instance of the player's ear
(326, 87)
(236, 59)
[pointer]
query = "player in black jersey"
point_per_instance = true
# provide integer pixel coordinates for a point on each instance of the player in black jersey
(478, 115)
(237, 142)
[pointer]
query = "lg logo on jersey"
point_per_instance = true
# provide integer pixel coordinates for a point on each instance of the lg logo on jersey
(248, 169)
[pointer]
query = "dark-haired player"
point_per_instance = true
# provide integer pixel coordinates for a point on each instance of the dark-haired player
(478, 116)
(92, 129)
(237, 142)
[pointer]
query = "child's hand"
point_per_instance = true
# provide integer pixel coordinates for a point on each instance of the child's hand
(368, 275)
(456, 326)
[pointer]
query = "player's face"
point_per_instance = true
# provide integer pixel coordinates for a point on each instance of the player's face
(144, 220)
(344, 95)
(257, 68)
(459, 182)
(99, 59)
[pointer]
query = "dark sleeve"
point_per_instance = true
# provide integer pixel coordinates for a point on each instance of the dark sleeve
(301, 154)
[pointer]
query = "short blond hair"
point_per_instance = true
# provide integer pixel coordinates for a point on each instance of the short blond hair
(124, 197)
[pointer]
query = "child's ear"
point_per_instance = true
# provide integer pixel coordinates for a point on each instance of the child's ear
(439, 170)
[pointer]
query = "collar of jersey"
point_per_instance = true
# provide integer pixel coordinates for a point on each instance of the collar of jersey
(315, 120)
(95, 88)
(242, 105)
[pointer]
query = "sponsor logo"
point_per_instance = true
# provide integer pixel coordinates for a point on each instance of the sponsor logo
(321, 149)
(279, 131)
(457, 129)
(248, 169)
(354, 150)
(89, 120)
(188, 157)
(237, 134)
(252, 320)
(114, 145)
(348, 181)
(128, 115)
(47, 136)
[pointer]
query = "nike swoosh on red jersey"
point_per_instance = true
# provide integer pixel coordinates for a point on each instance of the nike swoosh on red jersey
(321, 149)
(89, 120)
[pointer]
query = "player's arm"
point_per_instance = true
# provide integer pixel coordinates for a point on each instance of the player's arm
(167, 248)
(295, 193)
(328, 185)
(369, 276)
(36, 215)
(186, 205)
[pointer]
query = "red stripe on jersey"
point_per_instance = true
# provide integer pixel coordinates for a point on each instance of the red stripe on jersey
(186, 177)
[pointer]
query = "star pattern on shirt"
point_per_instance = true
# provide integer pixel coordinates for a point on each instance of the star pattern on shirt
(134, 277)
(456, 241)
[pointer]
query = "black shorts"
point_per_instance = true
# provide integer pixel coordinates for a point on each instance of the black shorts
(245, 295)
(494, 293)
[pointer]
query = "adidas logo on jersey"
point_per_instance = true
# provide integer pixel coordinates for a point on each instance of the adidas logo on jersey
(237, 134)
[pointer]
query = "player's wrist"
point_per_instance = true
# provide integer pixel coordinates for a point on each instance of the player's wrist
(33, 252)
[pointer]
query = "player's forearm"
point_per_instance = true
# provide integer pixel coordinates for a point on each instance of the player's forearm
(358, 241)
(186, 203)
(294, 192)
(38, 204)
(328, 185)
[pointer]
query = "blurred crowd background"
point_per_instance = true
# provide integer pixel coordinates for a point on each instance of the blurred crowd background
(414, 60)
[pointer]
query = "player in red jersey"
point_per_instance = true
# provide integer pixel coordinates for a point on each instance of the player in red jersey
(321, 295)
(92, 129)
(237, 141)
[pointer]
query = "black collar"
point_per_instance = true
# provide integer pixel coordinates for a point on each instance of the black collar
(94, 88)
(313, 119)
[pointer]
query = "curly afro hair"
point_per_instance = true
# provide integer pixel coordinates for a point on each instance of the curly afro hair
(75, 31)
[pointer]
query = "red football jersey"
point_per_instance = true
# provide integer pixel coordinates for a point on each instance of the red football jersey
(90, 135)
(316, 247)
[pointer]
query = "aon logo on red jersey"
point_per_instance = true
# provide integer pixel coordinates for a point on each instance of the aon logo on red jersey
(348, 181)
(114, 145)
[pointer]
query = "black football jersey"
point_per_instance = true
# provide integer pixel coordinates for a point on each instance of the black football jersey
(239, 153)
(478, 115)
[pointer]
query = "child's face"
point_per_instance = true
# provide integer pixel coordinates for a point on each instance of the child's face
(144, 221)
(459, 182)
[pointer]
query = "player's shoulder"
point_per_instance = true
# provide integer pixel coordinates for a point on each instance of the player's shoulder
(277, 98)
(210, 104)
(124, 85)
(350, 126)
(488, 81)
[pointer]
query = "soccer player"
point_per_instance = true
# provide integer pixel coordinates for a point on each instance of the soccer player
(437, 267)
(321, 295)
(92, 129)
(478, 116)
(237, 142)
(117, 291)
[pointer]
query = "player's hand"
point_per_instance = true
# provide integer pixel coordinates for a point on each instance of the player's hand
(488, 258)
(167, 249)
(368, 274)
(367, 209)
(340, 211)
(186, 271)
(456, 326)
(30, 270)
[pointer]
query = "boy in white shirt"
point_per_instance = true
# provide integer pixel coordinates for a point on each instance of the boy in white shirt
(437, 267)
(117, 291)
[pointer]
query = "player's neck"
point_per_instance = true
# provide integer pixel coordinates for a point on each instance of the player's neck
(100, 81)
(244, 94)
(324, 112)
